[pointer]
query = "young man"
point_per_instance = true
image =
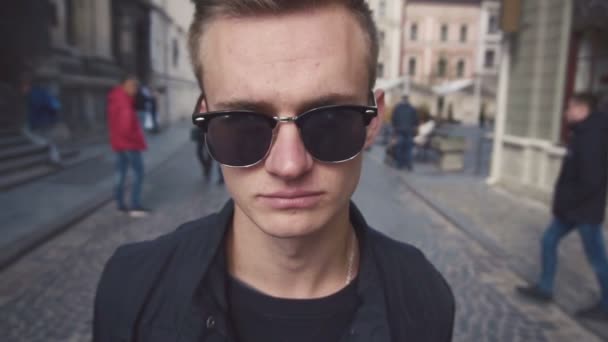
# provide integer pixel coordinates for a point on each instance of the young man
(127, 140)
(287, 110)
(579, 202)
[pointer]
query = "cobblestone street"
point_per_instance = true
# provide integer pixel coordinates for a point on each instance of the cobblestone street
(48, 294)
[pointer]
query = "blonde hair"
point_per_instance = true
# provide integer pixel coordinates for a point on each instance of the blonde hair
(207, 10)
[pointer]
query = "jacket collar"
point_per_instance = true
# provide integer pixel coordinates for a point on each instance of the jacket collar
(206, 296)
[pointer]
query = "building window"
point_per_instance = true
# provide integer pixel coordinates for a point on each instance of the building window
(464, 32)
(70, 22)
(175, 52)
(380, 71)
(444, 33)
(460, 68)
(381, 37)
(442, 67)
(489, 59)
(411, 67)
(382, 8)
(414, 32)
(493, 24)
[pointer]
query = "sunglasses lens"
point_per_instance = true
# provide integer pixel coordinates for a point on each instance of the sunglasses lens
(239, 139)
(334, 134)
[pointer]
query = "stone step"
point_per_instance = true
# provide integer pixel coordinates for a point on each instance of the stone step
(68, 153)
(9, 132)
(14, 140)
(21, 151)
(20, 164)
(12, 180)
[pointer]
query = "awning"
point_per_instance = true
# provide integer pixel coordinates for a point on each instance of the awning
(452, 87)
(390, 84)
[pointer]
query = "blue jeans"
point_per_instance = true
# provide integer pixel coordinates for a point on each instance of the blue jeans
(403, 151)
(123, 161)
(593, 242)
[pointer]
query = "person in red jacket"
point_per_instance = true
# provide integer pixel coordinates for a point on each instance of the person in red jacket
(127, 140)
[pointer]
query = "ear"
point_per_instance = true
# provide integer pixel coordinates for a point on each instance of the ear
(374, 127)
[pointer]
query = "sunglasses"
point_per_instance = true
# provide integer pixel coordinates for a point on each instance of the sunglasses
(243, 138)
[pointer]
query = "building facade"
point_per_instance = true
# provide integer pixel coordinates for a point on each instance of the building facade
(490, 51)
(441, 40)
(560, 47)
(451, 54)
(389, 15)
(171, 71)
(95, 42)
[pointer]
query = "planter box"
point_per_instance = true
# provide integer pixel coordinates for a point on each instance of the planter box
(450, 152)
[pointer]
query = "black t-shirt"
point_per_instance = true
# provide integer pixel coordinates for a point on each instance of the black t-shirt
(257, 317)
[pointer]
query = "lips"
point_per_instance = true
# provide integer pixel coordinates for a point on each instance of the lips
(291, 199)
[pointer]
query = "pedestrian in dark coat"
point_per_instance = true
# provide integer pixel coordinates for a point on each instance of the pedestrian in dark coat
(579, 201)
(405, 123)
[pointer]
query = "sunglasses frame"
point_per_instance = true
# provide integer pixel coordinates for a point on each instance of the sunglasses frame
(202, 119)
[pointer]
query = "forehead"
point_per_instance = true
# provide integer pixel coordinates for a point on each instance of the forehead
(285, 58)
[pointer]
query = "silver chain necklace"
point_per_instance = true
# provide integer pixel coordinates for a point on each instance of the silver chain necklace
(351, 260)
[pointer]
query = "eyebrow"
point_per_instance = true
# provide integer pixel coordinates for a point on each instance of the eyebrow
(269, 108)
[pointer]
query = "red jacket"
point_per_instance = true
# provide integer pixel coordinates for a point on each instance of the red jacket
(124, 127)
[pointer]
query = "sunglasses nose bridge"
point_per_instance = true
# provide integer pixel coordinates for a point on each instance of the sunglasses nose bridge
(286, 119)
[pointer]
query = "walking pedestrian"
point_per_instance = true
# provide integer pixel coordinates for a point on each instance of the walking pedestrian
(145, 104)
(579, 203)
(287, 109)
(405, 123)
(128, 142)
(44, 124)
(154, 110)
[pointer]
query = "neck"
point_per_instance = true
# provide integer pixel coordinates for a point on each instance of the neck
(311, 266)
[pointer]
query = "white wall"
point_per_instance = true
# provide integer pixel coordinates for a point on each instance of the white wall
(170, 60)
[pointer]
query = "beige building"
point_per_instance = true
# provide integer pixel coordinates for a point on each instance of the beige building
(451, 52)
(441, 40)
(560, 47)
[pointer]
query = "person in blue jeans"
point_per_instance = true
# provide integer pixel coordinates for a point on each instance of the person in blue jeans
(405, 124)
(128, 142)
(579, 203)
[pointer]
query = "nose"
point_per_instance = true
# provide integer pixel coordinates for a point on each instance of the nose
(288, 158)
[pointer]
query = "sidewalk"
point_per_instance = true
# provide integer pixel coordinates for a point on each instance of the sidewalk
(33, 212)
(510, 227)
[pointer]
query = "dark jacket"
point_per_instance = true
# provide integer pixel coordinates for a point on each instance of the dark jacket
(580, 191)
(173, 289)
(144, 100)
(43, 108)
(405, 119)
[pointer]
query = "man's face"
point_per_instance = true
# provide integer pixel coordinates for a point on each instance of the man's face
(130, 86)
(286, 65)
(577, 111)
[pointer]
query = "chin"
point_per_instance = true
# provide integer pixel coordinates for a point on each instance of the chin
(293, 224)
